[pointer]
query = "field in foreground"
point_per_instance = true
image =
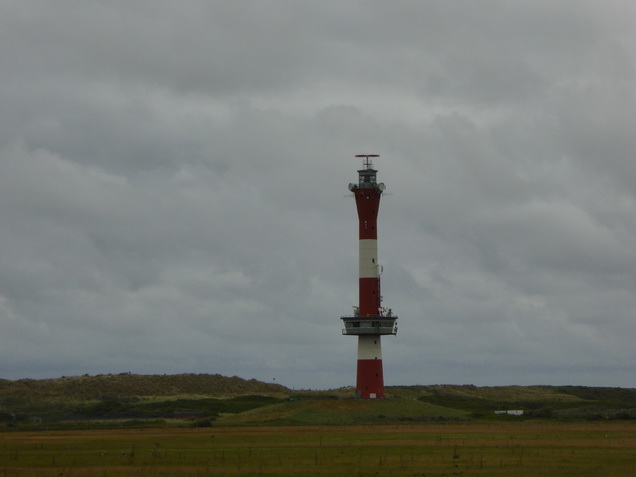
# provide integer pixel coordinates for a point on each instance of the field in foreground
(530, 448)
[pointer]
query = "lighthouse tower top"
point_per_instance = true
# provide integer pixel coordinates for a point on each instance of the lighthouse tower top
(367, 175)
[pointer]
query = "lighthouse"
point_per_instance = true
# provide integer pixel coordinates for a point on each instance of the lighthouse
(370, 319)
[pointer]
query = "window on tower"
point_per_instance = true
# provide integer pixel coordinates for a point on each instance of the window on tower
(369, 178)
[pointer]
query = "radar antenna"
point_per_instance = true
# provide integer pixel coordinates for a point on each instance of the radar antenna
(367, 162)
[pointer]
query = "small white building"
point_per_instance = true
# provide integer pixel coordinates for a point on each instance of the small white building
(515, 412)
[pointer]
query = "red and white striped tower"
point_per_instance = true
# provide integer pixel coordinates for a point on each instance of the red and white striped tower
(370, 320)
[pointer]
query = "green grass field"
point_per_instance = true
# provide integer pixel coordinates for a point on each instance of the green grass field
(344, 412)
(525, 448)
(208, 425)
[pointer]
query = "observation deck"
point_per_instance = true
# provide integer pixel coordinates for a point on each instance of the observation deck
(370, 325)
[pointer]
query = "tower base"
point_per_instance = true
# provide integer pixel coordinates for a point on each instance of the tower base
(370, 380)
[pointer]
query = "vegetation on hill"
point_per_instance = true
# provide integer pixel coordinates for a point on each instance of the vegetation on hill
(345, 412)
(108, 399)
(203, 399)
(536, 401)
(134, 385)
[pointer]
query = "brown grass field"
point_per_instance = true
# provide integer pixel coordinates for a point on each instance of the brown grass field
(526, 448)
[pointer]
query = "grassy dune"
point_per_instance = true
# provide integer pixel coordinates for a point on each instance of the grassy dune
(104, 386)
(128, 400)
(344, 412)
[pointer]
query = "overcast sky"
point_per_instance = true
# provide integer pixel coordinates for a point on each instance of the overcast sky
(173, 188)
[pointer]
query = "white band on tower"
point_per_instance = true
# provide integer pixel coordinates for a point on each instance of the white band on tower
(368, 258)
